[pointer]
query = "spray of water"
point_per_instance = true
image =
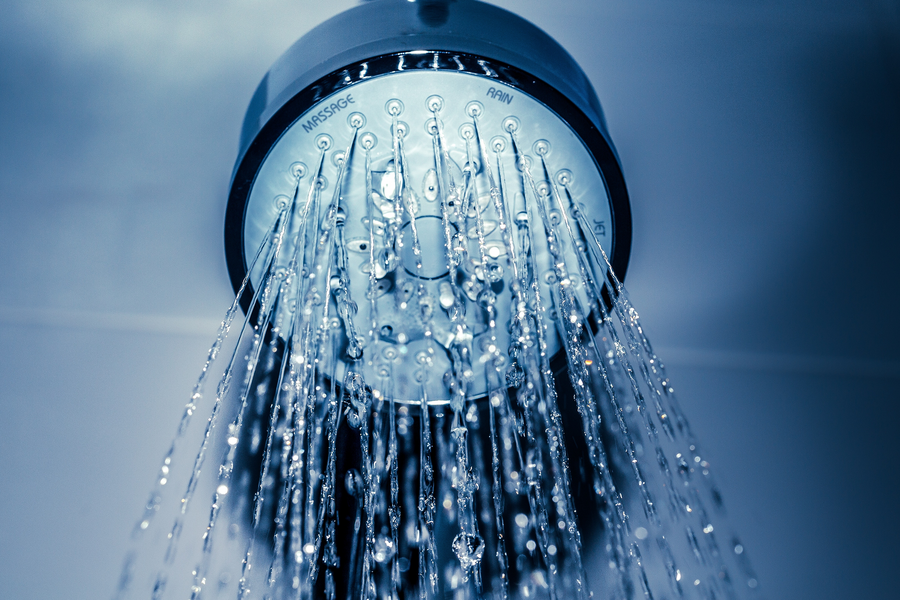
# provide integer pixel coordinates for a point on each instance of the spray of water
(492, 423)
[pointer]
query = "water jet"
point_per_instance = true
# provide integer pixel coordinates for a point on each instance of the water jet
(441, 388)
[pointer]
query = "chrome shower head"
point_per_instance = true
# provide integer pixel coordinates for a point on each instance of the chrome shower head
(442, 387)
(433, 124)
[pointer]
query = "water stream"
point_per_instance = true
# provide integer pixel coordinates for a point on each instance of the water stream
(443, 391)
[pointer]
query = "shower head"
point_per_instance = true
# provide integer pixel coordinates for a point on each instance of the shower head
(432, 124)
(442, 388)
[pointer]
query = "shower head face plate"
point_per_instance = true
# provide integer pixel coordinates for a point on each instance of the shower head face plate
(464, 144)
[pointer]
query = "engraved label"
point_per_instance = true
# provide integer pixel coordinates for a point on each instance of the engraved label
(499, 95)
(328, 112)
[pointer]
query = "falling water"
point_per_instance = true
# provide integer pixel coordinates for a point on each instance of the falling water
(442, 391)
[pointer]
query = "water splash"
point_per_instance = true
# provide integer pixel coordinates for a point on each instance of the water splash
(488, 426)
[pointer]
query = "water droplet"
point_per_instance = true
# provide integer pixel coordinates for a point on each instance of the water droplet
(388, 260)
(487, 298)
(353, 483)
(446, 297)
(469, 548)
(515, 376)
(430, 185)
(384, 549)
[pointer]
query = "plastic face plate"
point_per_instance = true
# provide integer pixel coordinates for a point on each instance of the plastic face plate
(399, 343)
